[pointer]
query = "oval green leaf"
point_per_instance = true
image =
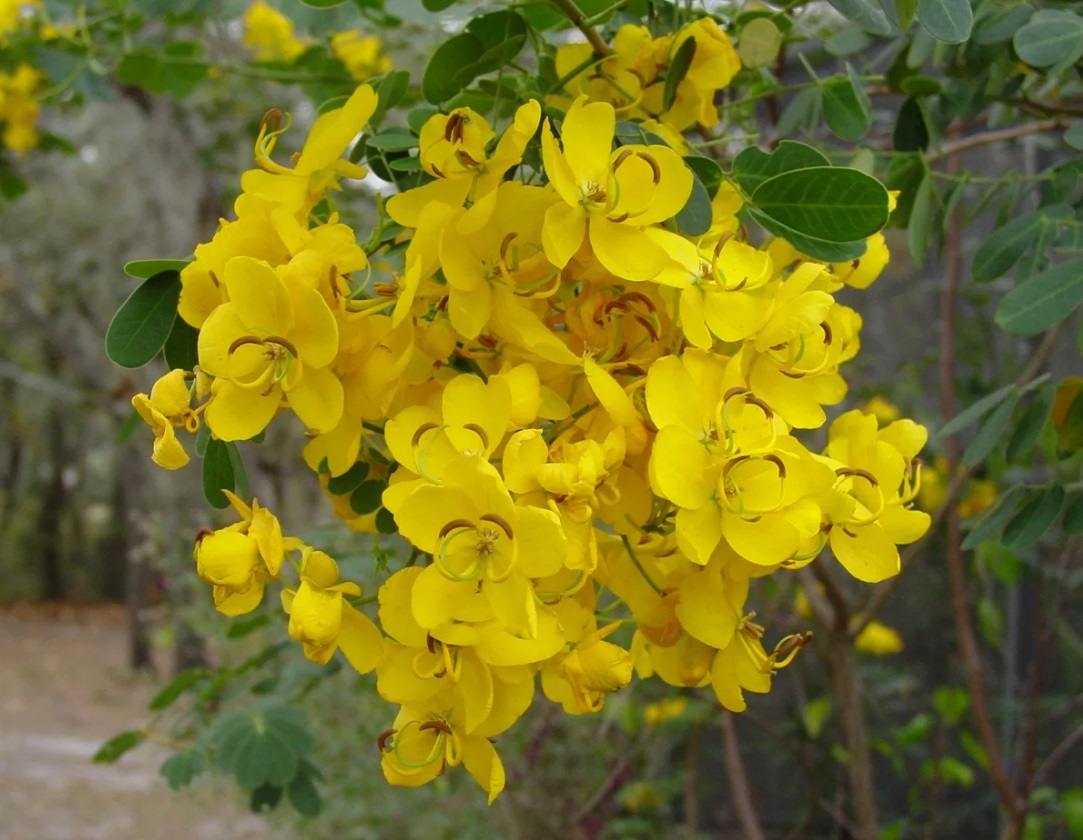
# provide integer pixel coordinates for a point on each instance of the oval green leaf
(1006, 246)
(1034, 518)
(752, 166)
(678, 68)
(144, 321)
(1043, 300)
(439, 82)
(990, 433)
(846, 107)
(811, 246)
(832, 203)
(217, 473)
(946, 20)
(1051, 37)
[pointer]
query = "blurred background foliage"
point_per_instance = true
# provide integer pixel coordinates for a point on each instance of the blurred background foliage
(945, 703)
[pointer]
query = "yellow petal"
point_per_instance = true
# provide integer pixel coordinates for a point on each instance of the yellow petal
(315, 331)
(317, 399)
(482, 762)
(260, 296)
(562, 232)
(624, 250)
(241, 413)
(333, 131)
(703, 611)
(865, 552)
(360, 640)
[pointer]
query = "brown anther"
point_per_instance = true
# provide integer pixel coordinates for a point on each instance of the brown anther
(438, 725)
(214, 279)
(501, 522)
(465, 159)
(647, 325)
(201, 533)
(385, 289)
(639, 297)
(436, 171)
(792, 374)
(625, 153)
(849, 533)
(614, 304)
(828, 335)
(764, 407)
(739, 286)
(633, 368)
(722, 240)
(734, 392)
(281, 342)
(479, 431)
(865, 474)
(453, 131)
(241, 342)
(424, 427)
(505, 245)
(855, 264)
(488, 341)
(453, 525)
(656, 170)
(619, 219)
(774, 459)
(430, 643)
(383, 738)
(272, 119)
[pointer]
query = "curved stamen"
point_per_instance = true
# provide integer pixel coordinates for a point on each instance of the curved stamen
(501, 521)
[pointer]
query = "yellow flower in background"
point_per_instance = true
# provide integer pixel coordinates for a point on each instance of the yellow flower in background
(19, 109)
(362, 54)
(883, 409)
(658, 713)
(13, 15)
(168, 407)
(878, 639)
(270, 34)
(980, 493)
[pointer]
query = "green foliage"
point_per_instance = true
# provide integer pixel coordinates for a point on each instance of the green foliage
(118, 745)
(143, 323)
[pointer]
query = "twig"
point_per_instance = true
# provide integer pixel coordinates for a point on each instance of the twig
(846, 688)
(572, 12)
(950, 150)
(1059, 751)
(737, 775)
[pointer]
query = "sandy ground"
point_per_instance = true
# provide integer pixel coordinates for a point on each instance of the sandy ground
(64, 690)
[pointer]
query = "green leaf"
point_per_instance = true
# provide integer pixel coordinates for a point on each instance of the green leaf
(975, 412)
(217, 473)
(385, 521)
(145, 269)
(323, 4)
(987, 524)
(241, 486)
(868, 15)
(261, 745)
(1051, 37)
(1034, 518)
(815, 714)
(1043, 300)
(144, 321)
(759, 43)
(303, 795)
(695, 217)
(833, 203)
(915, 731)
(1006, 246)
(846, 106)
(1001, 25)
(707, 171)
(502, 36)
(437, 5)
(946, 20)
(116, 746)
(905, 11)
(180, 768)
(1072, 805)
(678, 68)
(990, 433)
(393, 140)
(367, 497)
(911, 133)
(1074, 136)
(439, 81)
(820, 249)
(921, 221)
(390, 90)
(752, 167)
(1073, 516)
(11, 185)
(171, 692)
(1030, 426)
(350, 480)
(265, 798)
(181, 346)
(951, 703)
(132, 421)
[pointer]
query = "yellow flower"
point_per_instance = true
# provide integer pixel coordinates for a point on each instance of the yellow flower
(322, 619)
(270, 33)
(168, 407)
(239, 560)
(883, 409)
(609, 195)
(272, 342)
(581, 678)
(878, 639)
(655, 714)
(362, 54)
(18, 108)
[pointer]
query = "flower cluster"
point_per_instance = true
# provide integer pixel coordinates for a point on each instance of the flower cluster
(583, 421)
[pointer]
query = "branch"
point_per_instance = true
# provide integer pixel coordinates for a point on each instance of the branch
(740, 789)
(571, 11)
(1059, 751)
(950, 150)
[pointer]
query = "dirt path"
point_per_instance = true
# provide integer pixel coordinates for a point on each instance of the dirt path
(64, 690)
